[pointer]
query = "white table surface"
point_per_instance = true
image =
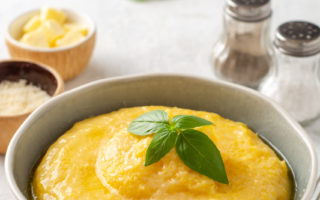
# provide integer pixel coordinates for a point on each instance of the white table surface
(152, 36)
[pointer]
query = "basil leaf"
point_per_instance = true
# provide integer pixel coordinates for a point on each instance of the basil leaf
(148, 123)
(188, 121)
(161, 144)
(199, 153)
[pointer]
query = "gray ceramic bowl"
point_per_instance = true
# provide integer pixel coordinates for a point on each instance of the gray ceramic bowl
(48, 122)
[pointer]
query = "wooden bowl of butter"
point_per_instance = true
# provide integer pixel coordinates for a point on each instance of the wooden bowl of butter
(23, 87)
(60, 38)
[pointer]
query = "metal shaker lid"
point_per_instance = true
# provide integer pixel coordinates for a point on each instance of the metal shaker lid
(298, 38)
(249, 10)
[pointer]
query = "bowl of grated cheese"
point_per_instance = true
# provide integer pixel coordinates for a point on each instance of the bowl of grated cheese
(24, 86)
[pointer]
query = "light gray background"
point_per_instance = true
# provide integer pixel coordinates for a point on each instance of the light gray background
(152, 36)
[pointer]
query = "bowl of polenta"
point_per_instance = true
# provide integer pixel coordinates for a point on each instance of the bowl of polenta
(61, 38)
(161, 136)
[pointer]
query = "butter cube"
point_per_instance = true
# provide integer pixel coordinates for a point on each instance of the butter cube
(50, 13)
(69, 38)
(35, 38)
(32, 24)
(49, 29)
(76, 27)
(52, 30)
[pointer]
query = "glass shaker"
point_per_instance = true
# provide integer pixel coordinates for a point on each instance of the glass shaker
(295, 82)
(244, 53)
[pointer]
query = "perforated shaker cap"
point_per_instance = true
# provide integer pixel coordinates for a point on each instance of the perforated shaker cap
(298, 38)
(249, 10)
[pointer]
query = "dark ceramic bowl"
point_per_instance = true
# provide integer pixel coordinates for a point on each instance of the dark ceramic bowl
(36, 74)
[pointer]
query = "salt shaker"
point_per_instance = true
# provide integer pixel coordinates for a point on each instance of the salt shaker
(244, 52)
(295, 82)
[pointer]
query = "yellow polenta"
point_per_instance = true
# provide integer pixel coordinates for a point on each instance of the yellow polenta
(99, 159)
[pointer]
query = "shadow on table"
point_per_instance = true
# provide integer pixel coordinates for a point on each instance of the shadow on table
(91, 73)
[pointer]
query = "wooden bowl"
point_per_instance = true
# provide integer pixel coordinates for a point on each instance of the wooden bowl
(68, 61)
(37, 74)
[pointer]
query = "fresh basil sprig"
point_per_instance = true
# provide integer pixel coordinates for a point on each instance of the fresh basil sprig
(149, 123)
(193, 147)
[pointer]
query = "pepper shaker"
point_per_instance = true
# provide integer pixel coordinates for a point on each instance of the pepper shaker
(244, 52)
(295, 82)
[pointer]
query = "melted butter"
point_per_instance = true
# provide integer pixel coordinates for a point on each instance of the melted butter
(99, 159)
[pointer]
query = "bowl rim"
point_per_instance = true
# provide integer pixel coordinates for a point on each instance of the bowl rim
(57, 77)
(15, 42)
(9, 159)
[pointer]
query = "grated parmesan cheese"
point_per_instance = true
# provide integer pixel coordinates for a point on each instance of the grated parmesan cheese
(20, 97)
